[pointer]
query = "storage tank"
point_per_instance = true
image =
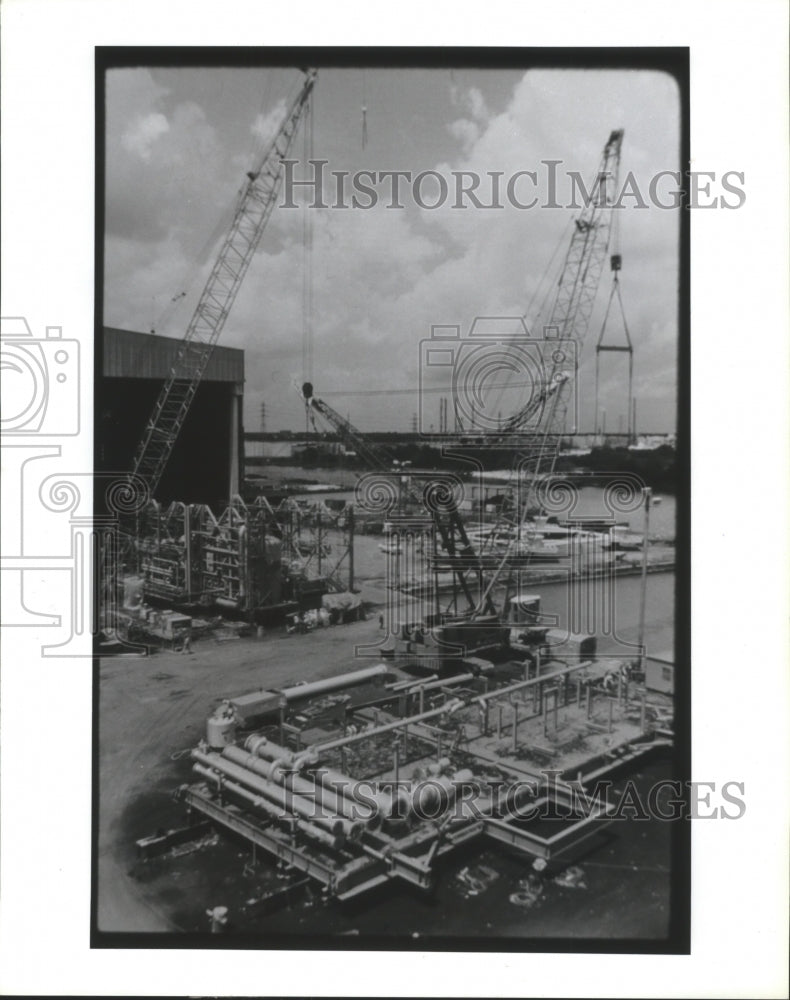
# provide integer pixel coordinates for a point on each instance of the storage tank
(221, 726)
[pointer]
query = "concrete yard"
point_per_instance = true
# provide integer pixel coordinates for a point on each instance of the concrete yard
(151, 708)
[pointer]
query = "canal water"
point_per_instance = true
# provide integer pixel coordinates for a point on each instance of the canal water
(622, 639)
(591, 498)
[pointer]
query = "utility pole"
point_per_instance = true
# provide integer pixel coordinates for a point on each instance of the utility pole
(647, 495)
(263, 416)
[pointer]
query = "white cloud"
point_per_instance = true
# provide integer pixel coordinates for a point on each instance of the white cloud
(476, 104)
(465, 130)
(266, 124)
(143, 132)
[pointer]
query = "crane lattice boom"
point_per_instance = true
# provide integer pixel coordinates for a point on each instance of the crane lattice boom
(252, 213)
(460, 553)
(562, 340)
(575, 297)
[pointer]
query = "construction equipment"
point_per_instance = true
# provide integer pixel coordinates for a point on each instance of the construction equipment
(233, 260)
(476, 573)
(458, 556)
(563, 335)
(249, 559)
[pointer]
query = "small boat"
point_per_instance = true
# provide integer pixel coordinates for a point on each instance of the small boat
(622, 539)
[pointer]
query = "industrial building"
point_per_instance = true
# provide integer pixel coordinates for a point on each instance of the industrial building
(207, 459)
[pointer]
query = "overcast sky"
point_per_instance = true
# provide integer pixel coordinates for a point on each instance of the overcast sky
(179, 142)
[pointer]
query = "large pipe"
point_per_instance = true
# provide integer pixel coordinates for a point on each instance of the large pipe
(274, 771)
(362, 793)
(268, 807)
(300, 691)
(411, 682)
(226, 602)
(428, 794)
(288, 802)
(448, 681)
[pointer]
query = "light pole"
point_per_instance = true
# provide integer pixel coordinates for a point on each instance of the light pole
(647, 495)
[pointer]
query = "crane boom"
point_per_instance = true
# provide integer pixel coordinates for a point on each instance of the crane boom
(233, 260)
(461, 555)
(533, 406)
(574, 299)
(563, 334)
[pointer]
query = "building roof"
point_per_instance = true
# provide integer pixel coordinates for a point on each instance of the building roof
(130, 354)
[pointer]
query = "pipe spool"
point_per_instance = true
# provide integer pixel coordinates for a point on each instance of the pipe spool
(260, 746)
(329, 800)
(288, 801)
(448, 709)
(259, 802)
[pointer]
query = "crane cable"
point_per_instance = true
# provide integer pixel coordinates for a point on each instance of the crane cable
(364, 113)
(307, 257)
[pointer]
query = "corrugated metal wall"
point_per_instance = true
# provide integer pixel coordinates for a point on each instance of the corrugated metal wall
(129, 354)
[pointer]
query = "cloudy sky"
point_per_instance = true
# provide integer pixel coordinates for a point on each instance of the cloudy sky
(178, 145)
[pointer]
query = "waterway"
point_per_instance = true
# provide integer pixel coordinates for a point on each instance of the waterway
(590, 502)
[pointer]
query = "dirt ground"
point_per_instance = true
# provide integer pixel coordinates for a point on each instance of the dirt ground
(151, 708)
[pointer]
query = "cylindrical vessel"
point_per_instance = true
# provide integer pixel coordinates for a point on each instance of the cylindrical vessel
(309, 829)
(288, 801)
(432, 793)
(362, 793)
(274, 771)
(300, 691)
(221, 727)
